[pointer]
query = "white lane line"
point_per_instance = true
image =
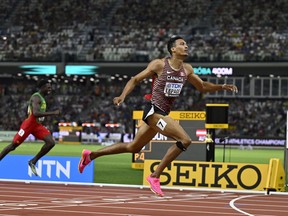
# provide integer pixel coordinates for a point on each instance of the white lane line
(231, 203)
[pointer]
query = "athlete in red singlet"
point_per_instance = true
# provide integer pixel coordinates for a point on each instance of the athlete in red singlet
(32, 125)
(171, 74)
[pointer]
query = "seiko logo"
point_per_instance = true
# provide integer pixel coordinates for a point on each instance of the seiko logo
(174, 78)
(193, 174)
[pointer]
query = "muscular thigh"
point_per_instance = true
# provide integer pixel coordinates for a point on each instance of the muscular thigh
(25, 130)
(168, 127)
(40, 132)
(143, 136)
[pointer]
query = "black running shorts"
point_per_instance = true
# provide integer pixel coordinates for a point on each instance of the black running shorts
(150, 109)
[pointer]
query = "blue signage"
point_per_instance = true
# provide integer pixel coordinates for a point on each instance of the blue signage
(39, 69)
(80, 69)
(49, 168)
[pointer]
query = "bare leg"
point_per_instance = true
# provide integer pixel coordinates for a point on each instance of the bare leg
(171, 155)
(7, 149)
(174, 131)
(49, 144)
(116, 148)
(144, 136)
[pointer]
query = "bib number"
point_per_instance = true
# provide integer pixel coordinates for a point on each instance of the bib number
(21, 132)
(173, 89)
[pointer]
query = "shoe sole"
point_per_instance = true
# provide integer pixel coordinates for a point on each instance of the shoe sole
(161, 195)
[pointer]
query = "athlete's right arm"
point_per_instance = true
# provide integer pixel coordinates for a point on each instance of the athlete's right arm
(36, 101)
(154, 67)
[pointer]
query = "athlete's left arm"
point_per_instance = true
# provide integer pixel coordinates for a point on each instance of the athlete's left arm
(153, 68)
(204, 86)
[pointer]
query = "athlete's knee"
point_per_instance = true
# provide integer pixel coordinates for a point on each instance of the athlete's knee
(184, 144)
(50, 143)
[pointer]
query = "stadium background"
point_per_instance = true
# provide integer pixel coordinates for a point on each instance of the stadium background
(243, 42)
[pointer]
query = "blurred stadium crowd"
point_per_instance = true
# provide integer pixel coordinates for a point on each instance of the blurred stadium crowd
(92, 102)
(129, 31)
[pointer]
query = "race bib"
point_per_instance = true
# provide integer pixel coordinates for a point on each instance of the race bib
(21, 132)
(173, 89)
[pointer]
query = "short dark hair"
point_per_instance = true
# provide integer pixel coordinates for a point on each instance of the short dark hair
(42, 82)
(171, 42)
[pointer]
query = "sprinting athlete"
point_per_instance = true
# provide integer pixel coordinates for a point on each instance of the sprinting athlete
(33, 125)
(171, 74)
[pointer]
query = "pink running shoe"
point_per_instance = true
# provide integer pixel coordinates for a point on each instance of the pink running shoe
(155, 185)
(85, 160)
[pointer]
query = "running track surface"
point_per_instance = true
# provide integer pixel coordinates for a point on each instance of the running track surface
(33, 199)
